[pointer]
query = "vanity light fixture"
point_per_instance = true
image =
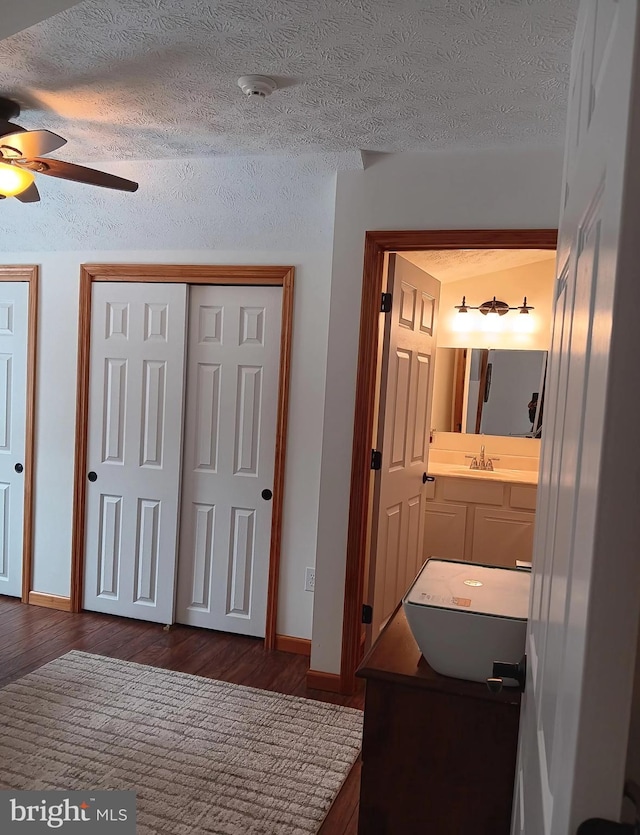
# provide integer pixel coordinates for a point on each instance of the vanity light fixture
(493, 306)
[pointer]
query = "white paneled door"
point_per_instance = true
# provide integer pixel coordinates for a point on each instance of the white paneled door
(229, 454)
(585, 602)
(403, 435)
(134, 448)
(14, 308)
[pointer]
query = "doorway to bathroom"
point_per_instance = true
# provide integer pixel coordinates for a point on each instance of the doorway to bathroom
(375, 527)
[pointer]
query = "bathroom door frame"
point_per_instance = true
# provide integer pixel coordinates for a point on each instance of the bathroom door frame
(377, 244)
(260, 276)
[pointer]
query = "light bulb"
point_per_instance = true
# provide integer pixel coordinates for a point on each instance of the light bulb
(461, 324)
(14, 180)
(492, 323)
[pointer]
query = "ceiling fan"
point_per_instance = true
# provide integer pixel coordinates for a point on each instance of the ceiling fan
(21, 153)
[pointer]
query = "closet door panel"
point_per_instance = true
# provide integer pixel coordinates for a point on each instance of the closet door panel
(229, 453)
(134, 448)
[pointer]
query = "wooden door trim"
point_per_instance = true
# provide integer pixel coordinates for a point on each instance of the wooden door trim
(28, 273)
(375, 246)
(484, 370)
(260, 276)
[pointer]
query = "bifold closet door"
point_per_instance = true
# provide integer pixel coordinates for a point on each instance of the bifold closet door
(134, 448)
(14, 327)
(229, 452)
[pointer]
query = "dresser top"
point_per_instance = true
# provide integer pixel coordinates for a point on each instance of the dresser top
(396, 657)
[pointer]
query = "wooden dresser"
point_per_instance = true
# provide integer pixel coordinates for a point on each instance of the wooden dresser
(438, 753)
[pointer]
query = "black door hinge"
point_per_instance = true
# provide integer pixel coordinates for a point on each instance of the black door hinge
(367, 613)
(376, 459)
(385, 303)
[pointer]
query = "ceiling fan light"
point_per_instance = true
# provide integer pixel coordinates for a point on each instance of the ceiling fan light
(14, 180)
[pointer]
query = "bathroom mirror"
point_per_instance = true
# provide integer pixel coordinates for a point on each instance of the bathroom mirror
(489, 391)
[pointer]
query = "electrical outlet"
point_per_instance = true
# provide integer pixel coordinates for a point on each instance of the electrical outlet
(310, 580)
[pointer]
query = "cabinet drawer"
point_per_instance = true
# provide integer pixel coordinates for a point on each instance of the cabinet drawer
(473, 490)
(500, 537)
(444, 530)
(523, 496)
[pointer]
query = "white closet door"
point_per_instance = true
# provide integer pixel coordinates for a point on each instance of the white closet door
(229, 453)
(134, 448)
(14, 326)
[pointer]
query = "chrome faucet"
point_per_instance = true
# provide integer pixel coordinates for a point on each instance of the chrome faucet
(481, 463)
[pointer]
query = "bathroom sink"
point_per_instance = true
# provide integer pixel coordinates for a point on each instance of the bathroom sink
(465, 468)
(497, 474)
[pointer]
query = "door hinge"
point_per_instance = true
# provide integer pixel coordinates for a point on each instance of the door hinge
(385, 303)
(367, 613)
(376, 459)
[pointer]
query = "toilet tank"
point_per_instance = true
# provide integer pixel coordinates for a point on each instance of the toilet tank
(464, 616)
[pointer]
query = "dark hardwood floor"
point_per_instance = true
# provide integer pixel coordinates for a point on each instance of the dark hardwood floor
(32, 635)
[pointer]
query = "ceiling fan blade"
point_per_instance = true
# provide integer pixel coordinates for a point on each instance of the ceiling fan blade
(29, 195)
(29, 143)
(80, 174)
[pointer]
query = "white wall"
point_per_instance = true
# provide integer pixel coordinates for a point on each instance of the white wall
(485, 190)
(18, 16)
(242, 212)
(56, 401)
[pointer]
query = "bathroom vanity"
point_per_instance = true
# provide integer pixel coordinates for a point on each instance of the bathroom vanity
(485, 517)
(438, 753)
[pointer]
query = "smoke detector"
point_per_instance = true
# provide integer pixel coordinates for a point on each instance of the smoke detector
(257, 86)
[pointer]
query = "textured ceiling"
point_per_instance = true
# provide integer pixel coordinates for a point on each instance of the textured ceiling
(149, 79)
(245, 203)
(456, 264)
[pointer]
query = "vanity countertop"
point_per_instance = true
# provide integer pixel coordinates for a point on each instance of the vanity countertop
(464, 471)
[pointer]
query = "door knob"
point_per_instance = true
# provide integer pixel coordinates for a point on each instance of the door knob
(18, 468)
(503, 670)
(426, 478)
(92, 476)
(267, 495)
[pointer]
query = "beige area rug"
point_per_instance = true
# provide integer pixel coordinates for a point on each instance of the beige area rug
(203, 756)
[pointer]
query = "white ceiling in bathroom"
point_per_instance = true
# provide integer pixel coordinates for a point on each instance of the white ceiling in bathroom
(449, 265)
(151, 79)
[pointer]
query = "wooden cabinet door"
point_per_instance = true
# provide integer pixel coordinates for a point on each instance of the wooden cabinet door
(500, 537)
(444, 530)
